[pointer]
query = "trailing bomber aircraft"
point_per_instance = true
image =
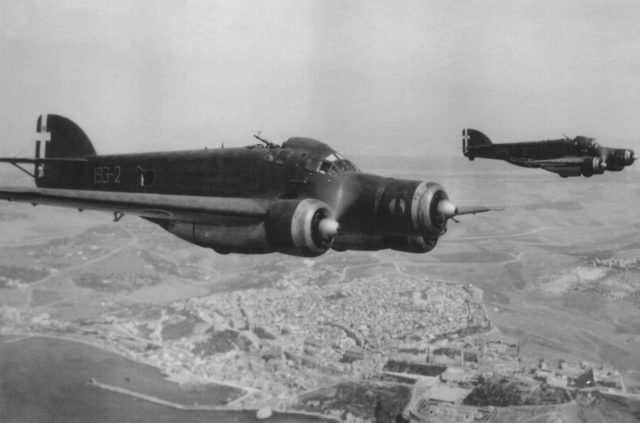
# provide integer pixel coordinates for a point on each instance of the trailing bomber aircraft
(300, 198)
(566, 157)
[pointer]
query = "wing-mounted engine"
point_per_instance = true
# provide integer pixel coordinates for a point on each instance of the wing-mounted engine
(592, 166)
(305, 227)
(296, 227)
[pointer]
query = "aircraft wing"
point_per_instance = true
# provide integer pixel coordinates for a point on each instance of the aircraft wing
(562, 161)
(183, 208)
(563, 166)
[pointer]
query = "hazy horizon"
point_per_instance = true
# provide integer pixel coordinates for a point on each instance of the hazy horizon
(365, 77)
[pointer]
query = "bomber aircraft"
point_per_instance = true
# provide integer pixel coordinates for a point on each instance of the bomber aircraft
(566, 157)
(299, 198)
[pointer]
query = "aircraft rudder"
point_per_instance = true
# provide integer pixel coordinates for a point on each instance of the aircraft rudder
(59, 138)
(465, 138)
(62, 137)
(475, 138)
(471, 140)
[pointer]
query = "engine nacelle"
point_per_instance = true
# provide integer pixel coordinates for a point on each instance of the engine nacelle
(618, 158)
(411, 208)
(300, 227)
(592, 166)
(295, 227)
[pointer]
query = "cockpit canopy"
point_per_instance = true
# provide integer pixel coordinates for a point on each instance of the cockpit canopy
(321, 158)
(586, 143)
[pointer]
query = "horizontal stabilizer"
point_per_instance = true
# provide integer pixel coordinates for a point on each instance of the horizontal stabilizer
(42, 160)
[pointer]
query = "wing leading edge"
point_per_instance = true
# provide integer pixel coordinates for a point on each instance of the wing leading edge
(183, 208)
(563, 161)
(563, 166)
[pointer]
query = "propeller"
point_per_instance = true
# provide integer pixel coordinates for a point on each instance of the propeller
(343, 196)
(328, 228)
(339, 196)
(449, 210)
(603, 164)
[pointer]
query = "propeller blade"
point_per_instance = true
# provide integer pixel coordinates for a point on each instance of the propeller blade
(449, 210)
(476, 209)
(342, 197)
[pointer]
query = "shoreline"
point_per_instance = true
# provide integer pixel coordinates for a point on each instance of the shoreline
(195, 407)
(151, 398)
(21, 335)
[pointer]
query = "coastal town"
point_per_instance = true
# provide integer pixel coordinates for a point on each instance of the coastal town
(390, 345)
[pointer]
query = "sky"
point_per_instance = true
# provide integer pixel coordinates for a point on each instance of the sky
(367, 77)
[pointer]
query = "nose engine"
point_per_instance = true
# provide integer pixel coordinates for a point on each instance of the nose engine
(412, 208)
(629, 157)
(432, 209)
(619, 158)
(399, 214)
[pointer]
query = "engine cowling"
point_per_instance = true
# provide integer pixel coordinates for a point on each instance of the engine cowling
(592, 166)
(300, 227)
(389, 213)
(412, 208)
(427, 214)
(296, 227)
(618, 158)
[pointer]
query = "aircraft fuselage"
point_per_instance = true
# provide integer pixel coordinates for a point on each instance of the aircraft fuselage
(567, 157)
(300, 198)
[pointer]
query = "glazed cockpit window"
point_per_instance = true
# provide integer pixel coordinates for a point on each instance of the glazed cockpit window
(585, 143)
(313, 165)
(339, 166)
(331, 164)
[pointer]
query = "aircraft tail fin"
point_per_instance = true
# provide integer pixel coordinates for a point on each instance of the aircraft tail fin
(64, 146)
(62, 138)
(472, 138)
